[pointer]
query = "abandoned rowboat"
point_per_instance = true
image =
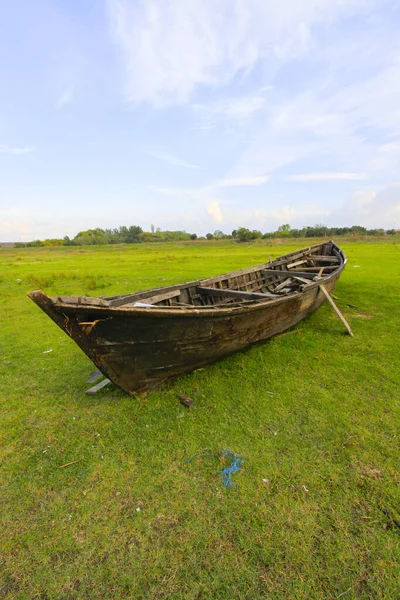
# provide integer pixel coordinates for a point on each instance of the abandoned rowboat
(140, 340)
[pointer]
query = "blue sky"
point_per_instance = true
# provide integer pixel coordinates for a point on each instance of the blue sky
(198, 114)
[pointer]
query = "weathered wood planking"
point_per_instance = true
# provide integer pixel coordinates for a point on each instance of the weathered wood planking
(235, 294)
(280, 274)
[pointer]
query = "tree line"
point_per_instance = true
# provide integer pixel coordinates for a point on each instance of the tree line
(135, 235)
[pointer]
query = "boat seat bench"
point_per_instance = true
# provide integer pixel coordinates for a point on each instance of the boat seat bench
(227, 293)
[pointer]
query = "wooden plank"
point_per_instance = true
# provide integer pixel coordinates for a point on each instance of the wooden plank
(302, 279)
(283, 260)
(82, 301)
(161, 297)
(317, 269)
(97, 387)
(228, 276)
(337, 311)
(296, 263)
(236, 294)
(94, 376)
(284, 284)
(280, 273)
(319, 258)
(116, 301)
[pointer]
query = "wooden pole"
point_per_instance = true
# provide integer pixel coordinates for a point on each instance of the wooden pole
(337, 311)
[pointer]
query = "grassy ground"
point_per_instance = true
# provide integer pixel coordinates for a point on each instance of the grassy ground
(313, 412)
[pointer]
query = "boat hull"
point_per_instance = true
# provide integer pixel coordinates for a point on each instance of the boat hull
(140, 350)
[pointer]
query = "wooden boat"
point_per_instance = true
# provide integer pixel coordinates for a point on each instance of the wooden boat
(140, 340)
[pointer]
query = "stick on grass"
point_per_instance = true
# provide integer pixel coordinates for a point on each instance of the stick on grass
(70, 463)
(337, 311)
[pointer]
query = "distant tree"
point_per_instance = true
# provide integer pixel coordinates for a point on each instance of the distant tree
(234, 233)
(145, 236)
(243, 234)
(358, 230)
(193, 236)
(134, 232)
(218, 234)
(375, 232)
(177, 236)
(209, 236)
(90, 237)
(285, 228)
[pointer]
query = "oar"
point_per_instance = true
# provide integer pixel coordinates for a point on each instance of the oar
(337, 311)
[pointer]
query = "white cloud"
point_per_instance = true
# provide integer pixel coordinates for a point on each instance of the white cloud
(266, 218)
(372, 208)
(173, 160)
(237, 110)
(170, 48)
(327, 177)
(243, 181)
(214, 210)
(7, 149)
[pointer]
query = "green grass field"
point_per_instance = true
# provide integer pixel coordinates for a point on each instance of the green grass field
(314, 413)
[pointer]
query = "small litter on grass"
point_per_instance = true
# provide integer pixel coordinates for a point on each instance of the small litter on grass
(47, 351)
(237, 462)
(73, 462)
(356, 266)
(185, 400)
(138, 509)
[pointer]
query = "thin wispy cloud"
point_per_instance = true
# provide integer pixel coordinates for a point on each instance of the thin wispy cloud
(177, 192)
(236, 110)
(328, 177)
(172, 160)
(170, 48)
(243, 181)
(17, 150)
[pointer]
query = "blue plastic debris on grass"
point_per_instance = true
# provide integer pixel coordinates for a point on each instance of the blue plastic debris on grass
(236, 465)
(237, 462)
